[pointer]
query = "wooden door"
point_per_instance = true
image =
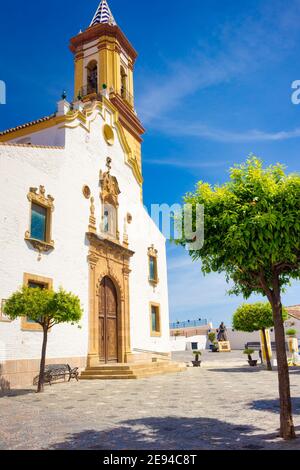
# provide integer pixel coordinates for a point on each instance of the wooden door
(108, 322)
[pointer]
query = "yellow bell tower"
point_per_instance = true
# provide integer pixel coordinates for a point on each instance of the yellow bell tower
(104, 60)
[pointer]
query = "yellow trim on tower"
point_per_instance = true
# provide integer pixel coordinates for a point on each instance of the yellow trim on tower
(131, 161)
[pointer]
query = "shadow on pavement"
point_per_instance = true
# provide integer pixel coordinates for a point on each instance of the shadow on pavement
(16, 393)
(273, 405)
(173, 433)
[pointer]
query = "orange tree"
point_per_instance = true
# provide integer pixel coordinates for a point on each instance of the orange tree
(252, 234)
(256, 317)
(47, 308)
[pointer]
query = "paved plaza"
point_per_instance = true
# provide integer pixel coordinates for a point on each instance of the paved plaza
(227, 406)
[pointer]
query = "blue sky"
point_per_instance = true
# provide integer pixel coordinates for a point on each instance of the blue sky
(213, 84)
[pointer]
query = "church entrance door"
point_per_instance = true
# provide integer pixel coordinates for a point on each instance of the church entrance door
(108, 321)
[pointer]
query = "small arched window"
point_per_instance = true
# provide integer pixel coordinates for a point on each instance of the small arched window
(92, 77)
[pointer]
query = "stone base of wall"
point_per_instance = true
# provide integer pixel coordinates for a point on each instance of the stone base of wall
(20, 373)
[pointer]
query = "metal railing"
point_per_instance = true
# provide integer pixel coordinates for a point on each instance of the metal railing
(94, 90)
(87, 90)
(188, 324)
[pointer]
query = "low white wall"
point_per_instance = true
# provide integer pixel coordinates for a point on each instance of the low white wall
(238, 339)
(178, 344)
(181, 343)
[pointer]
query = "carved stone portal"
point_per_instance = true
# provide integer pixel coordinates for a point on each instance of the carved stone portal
(108, 259)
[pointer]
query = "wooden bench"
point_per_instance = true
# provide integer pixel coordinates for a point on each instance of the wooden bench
(257, 347)
(55, 372)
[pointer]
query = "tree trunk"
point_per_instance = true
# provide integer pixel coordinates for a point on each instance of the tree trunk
(269, 365)
(287, 430)
(43, 360)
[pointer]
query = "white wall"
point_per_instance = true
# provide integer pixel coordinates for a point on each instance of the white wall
(53, 136)
(238, 339)
(181, 343)
(20, 169)
(64, 172)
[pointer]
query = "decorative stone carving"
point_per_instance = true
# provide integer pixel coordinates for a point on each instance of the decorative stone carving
(38, 196)
(110, 190)
(86, 192)
(152, 251)
(92, 219)
(125, 234)
(109, 195)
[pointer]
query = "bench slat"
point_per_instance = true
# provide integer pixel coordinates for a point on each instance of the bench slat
(55, 372)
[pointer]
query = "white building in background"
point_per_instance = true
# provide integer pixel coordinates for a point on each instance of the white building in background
(72, 215)
(192, 338)
(294, 319)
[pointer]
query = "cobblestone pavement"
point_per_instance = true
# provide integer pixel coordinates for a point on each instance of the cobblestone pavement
(228, 407)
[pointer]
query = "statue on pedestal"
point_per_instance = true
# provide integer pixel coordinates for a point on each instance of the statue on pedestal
(224, 344)
(222, 333)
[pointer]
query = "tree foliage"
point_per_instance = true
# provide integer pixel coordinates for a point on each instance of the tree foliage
(252, 234)
(252, 226)
(44, 306)
(254, 317)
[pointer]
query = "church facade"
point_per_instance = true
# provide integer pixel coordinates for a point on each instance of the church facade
(72, 215)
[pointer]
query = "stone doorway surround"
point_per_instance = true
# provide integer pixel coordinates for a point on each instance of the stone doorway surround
(108, 258)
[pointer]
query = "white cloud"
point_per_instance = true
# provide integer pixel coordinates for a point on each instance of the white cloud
(247, 45)
(182, 163)
(177, 128)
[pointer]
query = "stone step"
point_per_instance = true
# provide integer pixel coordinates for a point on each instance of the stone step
(121, 371)
(128, 376)
(120, 367)
(131, 367)
(107, 372)
(140, 372)
(108, 377)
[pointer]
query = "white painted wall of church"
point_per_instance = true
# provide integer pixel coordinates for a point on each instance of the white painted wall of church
(63, 173)
(53, 136)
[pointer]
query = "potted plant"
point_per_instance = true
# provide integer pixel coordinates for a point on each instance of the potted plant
(177, 334)
(197, 362)
(214, 345)
(292, 340)
(251, 362)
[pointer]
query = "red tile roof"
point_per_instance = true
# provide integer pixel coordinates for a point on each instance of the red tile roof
(28, 124)
(294, 311)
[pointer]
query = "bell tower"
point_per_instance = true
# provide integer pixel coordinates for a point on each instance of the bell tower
(104, 61)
